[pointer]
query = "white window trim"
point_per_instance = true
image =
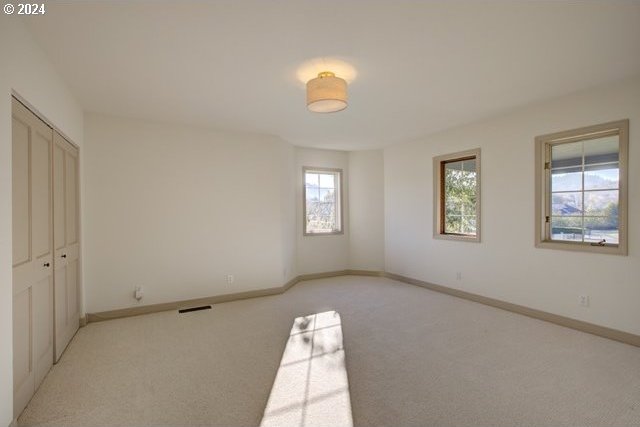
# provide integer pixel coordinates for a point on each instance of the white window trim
(339, 211)
(542, 190)
(437, 188)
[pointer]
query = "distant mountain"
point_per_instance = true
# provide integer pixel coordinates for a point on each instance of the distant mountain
(597, 203)
(591, 181)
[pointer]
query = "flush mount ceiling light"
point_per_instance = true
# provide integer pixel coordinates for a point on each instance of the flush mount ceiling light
(326, 93)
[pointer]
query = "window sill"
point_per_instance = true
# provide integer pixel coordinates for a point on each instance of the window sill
(582, 247)
(331, 233)
(457, 237)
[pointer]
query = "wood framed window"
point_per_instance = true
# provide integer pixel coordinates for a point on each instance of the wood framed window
(457, 196)
(581, 189)
(322, 201)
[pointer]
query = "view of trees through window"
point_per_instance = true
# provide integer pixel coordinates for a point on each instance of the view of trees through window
(585, 189)
(459, 194)
(322, 201)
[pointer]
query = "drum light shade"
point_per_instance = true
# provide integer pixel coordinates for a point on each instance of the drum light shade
(326, 93)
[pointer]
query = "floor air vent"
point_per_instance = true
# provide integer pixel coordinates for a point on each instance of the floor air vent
(188, 310)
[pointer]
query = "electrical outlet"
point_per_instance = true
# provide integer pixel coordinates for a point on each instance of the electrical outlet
(230, 279)
(583, 300)
(459, 275)
(137, 294)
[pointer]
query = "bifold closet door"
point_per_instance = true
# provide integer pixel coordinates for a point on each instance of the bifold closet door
(65, 237)
(32, 254)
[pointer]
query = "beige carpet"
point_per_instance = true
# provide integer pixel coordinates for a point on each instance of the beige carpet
(413, 357)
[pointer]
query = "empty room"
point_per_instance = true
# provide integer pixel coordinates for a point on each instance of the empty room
(320, 213)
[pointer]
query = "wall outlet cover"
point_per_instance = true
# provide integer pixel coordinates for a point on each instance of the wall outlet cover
(584, 300)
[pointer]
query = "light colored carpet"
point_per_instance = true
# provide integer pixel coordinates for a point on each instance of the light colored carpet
(414, 358)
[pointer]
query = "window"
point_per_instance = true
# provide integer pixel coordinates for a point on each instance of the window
(581, 189)
(457, 196)
(322, 201)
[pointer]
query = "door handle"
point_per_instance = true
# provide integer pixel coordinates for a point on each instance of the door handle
(63, 256)
(46, 264)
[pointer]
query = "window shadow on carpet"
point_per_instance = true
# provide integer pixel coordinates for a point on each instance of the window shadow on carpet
(311, 387)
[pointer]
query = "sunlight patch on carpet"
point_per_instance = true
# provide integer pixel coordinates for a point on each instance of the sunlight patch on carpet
(311, 387)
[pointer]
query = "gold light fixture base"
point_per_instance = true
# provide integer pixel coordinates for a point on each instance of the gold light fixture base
(323, 74)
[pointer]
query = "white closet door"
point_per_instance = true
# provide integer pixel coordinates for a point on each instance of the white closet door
(32, 254)
(65, 232)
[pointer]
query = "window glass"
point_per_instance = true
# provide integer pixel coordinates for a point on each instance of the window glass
(585, 182)
(322, 202)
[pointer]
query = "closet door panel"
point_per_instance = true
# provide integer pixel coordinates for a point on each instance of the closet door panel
(23, 376)
(40, 194)
(43, 327)
(20, 175)
(59, 237)
(71, 185)
(73, 308)
(66, 243)
(33, 253)
(59, 232)
(61, 320)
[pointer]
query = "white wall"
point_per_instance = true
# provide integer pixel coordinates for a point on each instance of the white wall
(317, 254)
(25, 69)
(366, 210)
(506, 265)
(288, 212)
(174, 209)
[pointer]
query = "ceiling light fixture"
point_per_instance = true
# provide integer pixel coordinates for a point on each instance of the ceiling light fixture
(326, 93)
